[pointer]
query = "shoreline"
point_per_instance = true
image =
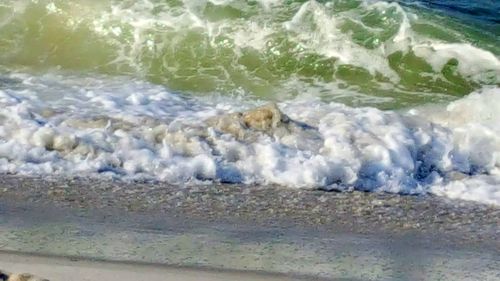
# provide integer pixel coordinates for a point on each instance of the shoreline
(348, 236)
(64, 268)
(352, 212)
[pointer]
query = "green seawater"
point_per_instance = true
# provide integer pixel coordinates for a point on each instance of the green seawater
(361, 53)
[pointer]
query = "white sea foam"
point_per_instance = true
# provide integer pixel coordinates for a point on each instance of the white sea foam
(117, 127)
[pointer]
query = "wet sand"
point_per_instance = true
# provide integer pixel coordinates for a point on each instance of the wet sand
(65, 269)
(356, 212)
(300, 233)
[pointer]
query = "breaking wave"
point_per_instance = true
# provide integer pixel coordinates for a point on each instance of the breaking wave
(133, 130)
(360, 53)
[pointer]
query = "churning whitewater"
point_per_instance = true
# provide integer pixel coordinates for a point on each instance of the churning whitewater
(337, 95)
(115, 127)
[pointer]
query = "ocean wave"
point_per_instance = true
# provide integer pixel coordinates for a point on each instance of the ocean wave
(117, 127)
(382, 54)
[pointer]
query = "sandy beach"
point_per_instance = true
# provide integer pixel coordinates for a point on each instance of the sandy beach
(350, 212)
(307, 234)
(65, 269)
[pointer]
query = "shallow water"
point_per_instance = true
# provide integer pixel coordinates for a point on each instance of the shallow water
(395, 97)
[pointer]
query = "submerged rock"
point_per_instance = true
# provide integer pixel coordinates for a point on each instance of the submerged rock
(267, 119)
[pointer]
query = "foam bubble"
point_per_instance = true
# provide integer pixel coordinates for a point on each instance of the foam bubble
(481, 188)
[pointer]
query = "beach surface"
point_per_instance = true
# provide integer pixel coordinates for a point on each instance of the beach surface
(67, 269)
(307, 234)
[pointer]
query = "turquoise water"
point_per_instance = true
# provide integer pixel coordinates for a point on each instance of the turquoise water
(371, 53)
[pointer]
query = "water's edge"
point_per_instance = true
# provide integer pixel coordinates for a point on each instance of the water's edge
(83, 219)
(57, 268)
